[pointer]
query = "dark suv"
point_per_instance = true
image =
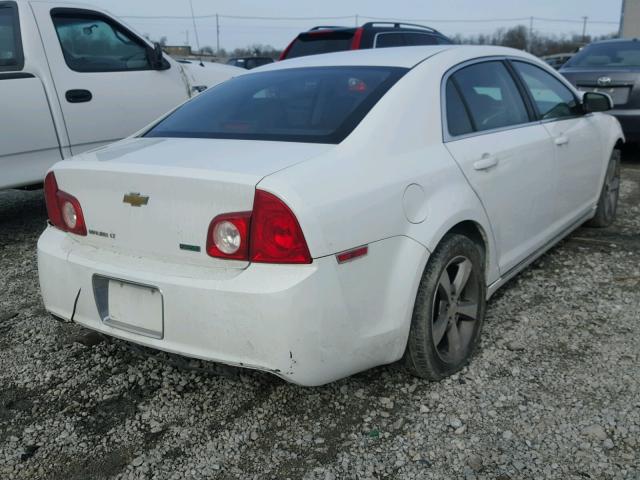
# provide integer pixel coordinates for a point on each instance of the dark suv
(370, 35)
(613, 67)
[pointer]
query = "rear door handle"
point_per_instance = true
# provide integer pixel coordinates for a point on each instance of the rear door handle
(486, 162)
(561, 140)
(78, 96)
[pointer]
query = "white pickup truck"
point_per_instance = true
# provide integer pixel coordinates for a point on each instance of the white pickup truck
(73, 78)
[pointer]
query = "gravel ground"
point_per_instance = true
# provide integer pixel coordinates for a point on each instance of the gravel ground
(553, 393)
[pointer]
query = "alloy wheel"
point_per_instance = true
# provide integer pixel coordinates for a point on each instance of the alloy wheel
(611, 190)
(456, 307)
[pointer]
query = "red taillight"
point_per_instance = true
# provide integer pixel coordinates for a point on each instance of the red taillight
(276, 236)
(269, 234)
(357, 39)
(64, 210)
(228, 236)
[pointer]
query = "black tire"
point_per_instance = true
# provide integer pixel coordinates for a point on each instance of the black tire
(608, 201)
(425, 355)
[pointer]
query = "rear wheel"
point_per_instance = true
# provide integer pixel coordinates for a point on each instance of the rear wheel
(608, 202)
(449, 310)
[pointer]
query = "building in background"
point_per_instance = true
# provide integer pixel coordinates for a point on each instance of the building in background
(630, 19)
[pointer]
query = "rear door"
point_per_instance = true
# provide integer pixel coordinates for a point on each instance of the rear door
(505, 154)
(103, 74)
(576, 140)
(28, 141)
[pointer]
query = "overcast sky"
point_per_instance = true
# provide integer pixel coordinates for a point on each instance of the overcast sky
(447, 16)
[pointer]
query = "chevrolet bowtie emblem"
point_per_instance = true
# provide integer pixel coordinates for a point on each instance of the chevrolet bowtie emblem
(135, 199)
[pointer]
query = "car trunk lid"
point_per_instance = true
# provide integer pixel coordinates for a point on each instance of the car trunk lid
(155, 197)
(618, 84)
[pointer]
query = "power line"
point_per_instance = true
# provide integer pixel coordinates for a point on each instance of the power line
(237, 17)
(568, 20)
(433, 20)
(357, 16)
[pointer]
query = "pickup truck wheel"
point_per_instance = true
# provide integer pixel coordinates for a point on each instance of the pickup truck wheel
(608, 202)
(449, 310)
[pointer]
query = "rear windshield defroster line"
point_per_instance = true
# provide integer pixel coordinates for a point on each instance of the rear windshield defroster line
(309, 105)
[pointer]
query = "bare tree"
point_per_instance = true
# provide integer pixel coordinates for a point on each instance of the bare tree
(518, 37)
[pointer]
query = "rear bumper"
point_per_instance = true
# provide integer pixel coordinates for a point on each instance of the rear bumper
(630, 122)
(310, 324)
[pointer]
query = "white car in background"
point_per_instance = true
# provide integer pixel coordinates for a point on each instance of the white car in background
(73, 78)
(330, 213)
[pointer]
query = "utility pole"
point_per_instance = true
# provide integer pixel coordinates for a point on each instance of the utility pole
(217, 35)
(584, 29)
(530, 37)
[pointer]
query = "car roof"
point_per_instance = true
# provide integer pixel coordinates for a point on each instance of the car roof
(404, 57)
(380, 26)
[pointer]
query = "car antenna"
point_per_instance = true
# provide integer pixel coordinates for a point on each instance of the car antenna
(195, 30)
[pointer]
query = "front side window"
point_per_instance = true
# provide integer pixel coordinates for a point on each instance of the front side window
(607, 55)
(316, 105)
(491, 95)
(90, 43)
(10, 44)
(551, 97)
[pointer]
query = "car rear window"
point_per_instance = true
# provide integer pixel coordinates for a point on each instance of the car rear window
(614, 54)
(320, 41)
(10, 45)
(314, 105)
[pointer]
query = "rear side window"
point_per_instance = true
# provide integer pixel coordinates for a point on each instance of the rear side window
(315, 105)
(551, 97)
(419, 39)
(400, 39)
(458, 119)
(391, 39)
(92, 43)
(491, 95)
(11, 58)
(320, 41)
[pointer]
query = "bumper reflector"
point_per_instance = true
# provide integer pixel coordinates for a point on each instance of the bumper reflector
(352, 254)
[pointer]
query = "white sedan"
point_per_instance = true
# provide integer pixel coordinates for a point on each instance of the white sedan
(323, 215)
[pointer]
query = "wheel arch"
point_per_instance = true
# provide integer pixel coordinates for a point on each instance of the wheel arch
(474, 231)
(474, 225)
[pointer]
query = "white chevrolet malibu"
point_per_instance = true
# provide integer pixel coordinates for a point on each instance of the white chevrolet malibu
(327, 214)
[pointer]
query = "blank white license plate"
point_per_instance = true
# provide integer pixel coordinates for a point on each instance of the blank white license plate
(135, 308)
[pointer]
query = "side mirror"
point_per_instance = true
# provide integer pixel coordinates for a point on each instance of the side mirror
(596, 102)
(157, 59)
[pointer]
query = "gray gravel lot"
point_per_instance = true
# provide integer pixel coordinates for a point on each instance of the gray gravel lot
(554, 391)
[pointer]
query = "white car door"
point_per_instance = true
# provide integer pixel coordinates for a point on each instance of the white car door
(103, 73)
(28, 140)
(575, 138)
(505, 155)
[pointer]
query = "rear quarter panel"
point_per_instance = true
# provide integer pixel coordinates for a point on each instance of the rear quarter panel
(354, 195)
